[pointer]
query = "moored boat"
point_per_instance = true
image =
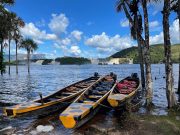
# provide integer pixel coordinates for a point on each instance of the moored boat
(53, 102)
(88, 103)
(124, 91)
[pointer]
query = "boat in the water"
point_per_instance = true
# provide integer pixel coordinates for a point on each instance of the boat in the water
(124, 91)
(88, 103)
(51, 103)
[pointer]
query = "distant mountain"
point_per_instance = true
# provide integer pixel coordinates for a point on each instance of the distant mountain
(156, 52)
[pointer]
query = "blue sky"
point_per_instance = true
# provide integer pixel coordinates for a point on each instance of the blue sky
(87, 28)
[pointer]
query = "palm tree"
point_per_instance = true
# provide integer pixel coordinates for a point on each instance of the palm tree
(30, 46)
(11, 17)
(135, 19)
(3, 28)
(167, 52)
(149, 90)
(124, 5)
(3, 36)
(18, 22)
(18, 39)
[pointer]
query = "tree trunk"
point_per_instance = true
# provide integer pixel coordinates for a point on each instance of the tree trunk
(179, 78)
(141, 60)
(1, 60)
(168, 63)
(16, 57)
(140, 52)
(28, 59)
(179, 40)
(9, 56)
(149, 90)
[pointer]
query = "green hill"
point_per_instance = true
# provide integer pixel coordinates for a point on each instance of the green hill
(72, 60)
(156, 52)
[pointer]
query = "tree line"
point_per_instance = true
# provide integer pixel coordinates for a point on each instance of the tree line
(136, 19)
(10, 25)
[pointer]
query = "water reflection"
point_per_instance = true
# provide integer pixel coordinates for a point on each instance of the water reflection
(47, 79)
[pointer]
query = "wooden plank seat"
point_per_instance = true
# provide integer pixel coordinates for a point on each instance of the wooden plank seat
(99, 92)
(82, 86)
(67, 93)
(88, 101)
(95, 96)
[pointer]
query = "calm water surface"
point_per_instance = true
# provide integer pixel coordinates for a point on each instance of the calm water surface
(47, 79)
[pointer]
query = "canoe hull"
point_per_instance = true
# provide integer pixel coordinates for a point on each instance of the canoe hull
(51, 103)
(119, 103)
(38, 112)
(118, 100)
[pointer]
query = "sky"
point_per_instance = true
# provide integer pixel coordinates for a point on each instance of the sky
(84, 28)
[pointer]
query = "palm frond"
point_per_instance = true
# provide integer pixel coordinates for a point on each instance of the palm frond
(119, 5)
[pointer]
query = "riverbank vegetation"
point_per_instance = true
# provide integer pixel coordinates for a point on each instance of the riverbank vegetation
(72, 60)
(156, 54)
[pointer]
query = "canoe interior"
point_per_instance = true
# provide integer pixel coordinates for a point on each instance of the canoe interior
(69, 90)
(97, 91)
(127, 86)
(87, 103)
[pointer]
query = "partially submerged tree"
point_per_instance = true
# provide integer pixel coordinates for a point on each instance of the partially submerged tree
(149, 90)
(167, 53)
(30, 47)
(18, 22)
(9, 26)
(131, 9)
(124, 5)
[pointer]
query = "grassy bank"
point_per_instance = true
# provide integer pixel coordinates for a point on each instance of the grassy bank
(136, 124)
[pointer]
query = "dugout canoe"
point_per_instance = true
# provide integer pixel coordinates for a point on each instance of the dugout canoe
(124, 91)
(88, 103)
(53, 102)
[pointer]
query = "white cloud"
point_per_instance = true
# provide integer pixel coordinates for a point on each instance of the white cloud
(174, 31)
(75, 50)
(66, 41)
(105, 43)
(59, 23)
(63, 42)
(124, 23)
(174, 34)
(77, 34)
(156, 39)
(153, 24)
(31, 31)
(41, 23)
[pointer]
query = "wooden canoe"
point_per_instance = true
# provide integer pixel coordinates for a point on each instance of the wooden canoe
(124, 91)
(53, 102)
(88, 103)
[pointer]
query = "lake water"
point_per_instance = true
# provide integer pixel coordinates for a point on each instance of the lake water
(49, 78)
